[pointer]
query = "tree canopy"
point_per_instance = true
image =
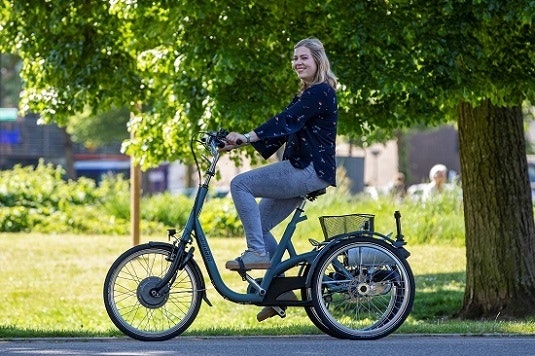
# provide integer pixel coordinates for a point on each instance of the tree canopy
(227, 63)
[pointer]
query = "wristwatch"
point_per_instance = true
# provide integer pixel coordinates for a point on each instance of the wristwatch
(248, 138)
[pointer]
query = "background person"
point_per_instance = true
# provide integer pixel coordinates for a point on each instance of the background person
(397, 188)
(438, 175)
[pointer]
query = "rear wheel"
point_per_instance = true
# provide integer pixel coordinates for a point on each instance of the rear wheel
(311, 313)
(132, 302)
(361, 289)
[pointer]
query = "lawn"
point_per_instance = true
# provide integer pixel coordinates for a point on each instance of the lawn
(52, 286)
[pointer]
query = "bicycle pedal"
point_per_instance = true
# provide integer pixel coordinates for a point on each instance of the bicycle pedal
(269, 312)
(280, 311)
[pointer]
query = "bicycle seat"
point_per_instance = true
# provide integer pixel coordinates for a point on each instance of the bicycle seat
(313, 195)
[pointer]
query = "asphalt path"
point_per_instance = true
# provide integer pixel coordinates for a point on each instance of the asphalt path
(399, 345)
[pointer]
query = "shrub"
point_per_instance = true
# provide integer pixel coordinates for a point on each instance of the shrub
(15, 219)
(220, 219)
(39, 199)
(170, 210)
(435, 222)
(115, 196)
(43, 186)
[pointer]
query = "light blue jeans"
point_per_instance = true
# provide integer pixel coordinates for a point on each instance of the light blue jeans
(281, 187)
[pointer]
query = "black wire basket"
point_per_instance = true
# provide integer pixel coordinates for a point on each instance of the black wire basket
(341, 224)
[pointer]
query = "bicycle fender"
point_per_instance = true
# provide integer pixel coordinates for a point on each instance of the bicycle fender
(195, 266)
(335, 241)
(160, 244)
(399, 251)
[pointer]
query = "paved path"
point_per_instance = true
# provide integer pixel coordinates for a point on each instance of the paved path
(399, 345)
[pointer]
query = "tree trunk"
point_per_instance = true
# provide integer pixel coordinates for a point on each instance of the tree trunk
(498, 213)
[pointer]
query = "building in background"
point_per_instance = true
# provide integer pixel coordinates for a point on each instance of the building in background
(23, 141)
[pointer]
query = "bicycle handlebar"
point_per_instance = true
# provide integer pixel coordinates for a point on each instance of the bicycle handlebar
(219, 138)
(215, 137)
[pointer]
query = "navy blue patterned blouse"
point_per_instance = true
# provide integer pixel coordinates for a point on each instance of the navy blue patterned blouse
(308, 127)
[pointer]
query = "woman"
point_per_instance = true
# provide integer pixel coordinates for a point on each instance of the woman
(308, 128)
(438, 177)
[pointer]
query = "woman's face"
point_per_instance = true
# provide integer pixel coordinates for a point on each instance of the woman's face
(304, 64)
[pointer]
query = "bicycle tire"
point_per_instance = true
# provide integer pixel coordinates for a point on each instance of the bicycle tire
(141, 315)
(361, 289)
(309, 310)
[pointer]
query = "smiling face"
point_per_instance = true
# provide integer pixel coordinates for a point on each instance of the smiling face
(304, 64)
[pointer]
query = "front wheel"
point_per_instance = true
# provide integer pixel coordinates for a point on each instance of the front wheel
(361, 289)
(133, 305)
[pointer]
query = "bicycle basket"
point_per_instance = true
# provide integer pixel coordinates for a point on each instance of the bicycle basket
(341, 224)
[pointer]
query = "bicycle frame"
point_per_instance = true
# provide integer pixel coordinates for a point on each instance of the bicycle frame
(193, 228)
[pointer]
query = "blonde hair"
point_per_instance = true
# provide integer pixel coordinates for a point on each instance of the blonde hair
(323, 73)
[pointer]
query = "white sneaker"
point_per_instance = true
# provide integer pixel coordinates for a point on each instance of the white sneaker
(250, 260)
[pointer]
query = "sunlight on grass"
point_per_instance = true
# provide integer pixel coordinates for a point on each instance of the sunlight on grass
(52, 286)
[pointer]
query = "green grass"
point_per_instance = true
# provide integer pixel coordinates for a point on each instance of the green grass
(51, 285)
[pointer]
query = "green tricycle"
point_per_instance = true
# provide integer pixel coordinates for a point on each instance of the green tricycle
(354, 283)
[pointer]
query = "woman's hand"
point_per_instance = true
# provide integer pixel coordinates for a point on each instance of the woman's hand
(234, 140)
